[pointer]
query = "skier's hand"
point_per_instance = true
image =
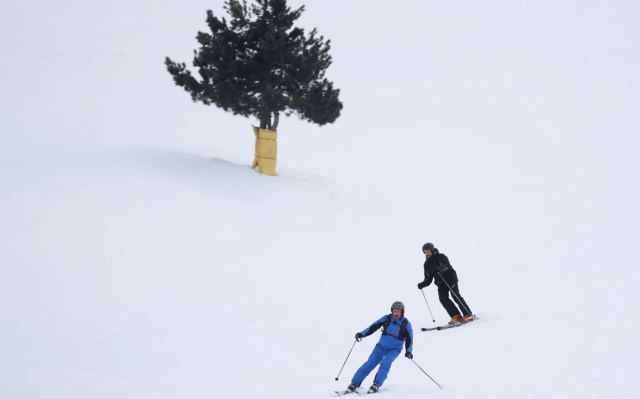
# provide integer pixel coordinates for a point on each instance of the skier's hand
(408, 355)
(421, 285)
(359, 337)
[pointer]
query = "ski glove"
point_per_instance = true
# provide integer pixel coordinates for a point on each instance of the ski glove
(422, 284)
(359, 337)
(408, 355)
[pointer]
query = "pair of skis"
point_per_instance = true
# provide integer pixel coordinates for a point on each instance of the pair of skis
(447, 326)
(358, 391)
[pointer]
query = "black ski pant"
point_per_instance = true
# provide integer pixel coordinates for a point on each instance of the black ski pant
(443, 295)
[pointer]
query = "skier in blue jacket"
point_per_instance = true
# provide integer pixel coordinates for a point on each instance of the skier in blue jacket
(396, 330)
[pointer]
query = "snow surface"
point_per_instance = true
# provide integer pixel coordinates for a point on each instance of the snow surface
(140, 257)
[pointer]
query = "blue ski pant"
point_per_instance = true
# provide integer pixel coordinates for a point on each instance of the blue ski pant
(381, 356)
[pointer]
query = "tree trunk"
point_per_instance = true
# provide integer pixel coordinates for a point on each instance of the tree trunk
(265, 121)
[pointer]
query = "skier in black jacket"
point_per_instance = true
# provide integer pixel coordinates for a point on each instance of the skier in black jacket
(437, 268)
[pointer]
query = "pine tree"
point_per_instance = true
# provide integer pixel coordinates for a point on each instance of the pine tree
(259, 64)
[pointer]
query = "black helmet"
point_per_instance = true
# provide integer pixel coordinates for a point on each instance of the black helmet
(397, 305)
(428, 246)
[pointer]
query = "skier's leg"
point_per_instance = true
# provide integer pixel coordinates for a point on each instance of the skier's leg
(466, 310)
(443, 295)
(385, 366)
(369, 365)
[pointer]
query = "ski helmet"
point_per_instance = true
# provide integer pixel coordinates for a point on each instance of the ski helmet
(397, 305)
(428, 246)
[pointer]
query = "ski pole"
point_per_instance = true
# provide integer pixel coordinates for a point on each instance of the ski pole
(345, 360)
(428, 307)
(434, 381)
(454, 293)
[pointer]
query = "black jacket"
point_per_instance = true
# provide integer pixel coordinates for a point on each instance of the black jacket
(436, 268)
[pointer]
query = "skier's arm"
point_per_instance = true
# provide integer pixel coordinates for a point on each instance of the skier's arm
(408, 343)
(374, 327)
(428, 278)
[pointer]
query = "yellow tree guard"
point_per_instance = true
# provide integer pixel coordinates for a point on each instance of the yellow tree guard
(266, 151)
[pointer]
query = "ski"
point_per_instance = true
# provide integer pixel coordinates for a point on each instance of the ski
(447, 326)
(358, 391)
(444, 327)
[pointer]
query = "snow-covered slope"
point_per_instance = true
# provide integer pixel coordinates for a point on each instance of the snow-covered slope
(140, 257)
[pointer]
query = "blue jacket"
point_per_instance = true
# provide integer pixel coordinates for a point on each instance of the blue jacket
(393, 334)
